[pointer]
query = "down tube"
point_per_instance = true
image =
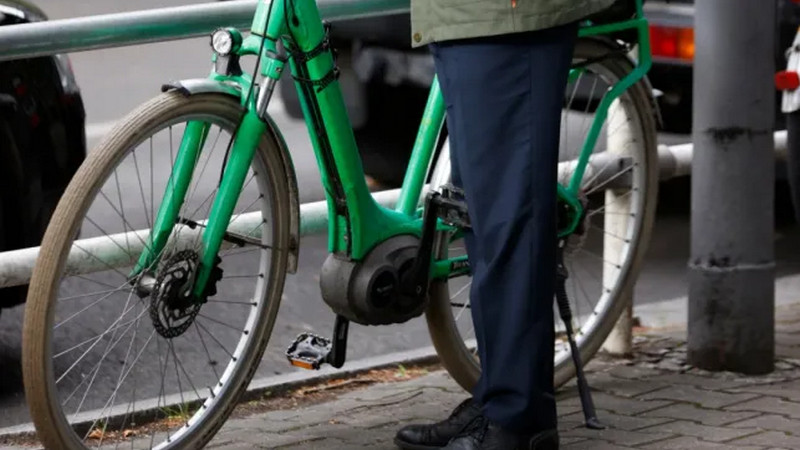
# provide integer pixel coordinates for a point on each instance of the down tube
(424, 146)
(192, 142)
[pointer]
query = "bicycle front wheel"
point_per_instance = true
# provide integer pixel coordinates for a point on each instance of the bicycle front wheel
(105, 364)
(603, 258)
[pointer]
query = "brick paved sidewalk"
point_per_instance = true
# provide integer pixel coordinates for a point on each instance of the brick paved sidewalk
(653, 401)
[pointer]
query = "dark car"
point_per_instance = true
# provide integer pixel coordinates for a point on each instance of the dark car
(42, 141)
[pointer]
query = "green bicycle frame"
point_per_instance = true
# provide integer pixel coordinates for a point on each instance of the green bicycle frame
(356, 221)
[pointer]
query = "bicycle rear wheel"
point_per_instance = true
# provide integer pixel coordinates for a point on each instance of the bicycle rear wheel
(603, 260)
(104, 364)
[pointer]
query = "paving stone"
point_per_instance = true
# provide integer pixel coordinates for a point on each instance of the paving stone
(708, 433)
(594, 445)
(619, 405)
(769, 405)
(788, 339)
(693, 443)
(701, 397)
(565, 410)
(618, 437)
(274, 440)
(619, 421)
(261, 423)
(634, 372)
(786, 391)
(785, 351)
(770, 439)
(770, 422)
(564, 441)
(720, 382)
(788, 327)
(608, 383)
(711, 417)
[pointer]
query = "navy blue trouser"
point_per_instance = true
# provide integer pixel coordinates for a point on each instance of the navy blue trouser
(504, 97)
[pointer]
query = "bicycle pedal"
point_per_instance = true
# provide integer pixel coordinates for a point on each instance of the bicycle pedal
(453, 207)
(453, 192)
(309, 351)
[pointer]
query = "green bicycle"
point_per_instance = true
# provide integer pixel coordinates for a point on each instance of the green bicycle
(188, 275)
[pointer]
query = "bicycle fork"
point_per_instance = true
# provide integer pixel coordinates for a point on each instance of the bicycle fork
(215, 231)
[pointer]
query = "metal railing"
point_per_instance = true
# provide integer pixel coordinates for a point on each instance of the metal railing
(16, 265)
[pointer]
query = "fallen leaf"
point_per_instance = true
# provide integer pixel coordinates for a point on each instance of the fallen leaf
(96, 434)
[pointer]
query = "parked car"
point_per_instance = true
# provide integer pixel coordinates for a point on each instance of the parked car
(381, 76)
(42, 141)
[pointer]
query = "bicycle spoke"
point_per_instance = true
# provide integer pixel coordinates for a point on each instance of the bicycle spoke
(83, 277)
(211, 361)
(110, 291)
(141, 190)
(609, 180)
(91, 339)
(92, 346)
(163, 369)
(214, 338)
(124, 376)
(122, 208)
(132, 406)
(96, 369)
(603, 208)
(205, 165)
(608, 233)
(216, 300)
(177, 375)
(84, 309)
(152, 189)
(108, 236)
(183, 370)
(124, 221)
(578, 284)
(218, 321)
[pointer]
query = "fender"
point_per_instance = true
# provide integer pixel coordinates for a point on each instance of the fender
(651, 92)
(791, 99)
(209, 86)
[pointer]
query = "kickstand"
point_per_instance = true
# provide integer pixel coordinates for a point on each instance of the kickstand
(589, 413)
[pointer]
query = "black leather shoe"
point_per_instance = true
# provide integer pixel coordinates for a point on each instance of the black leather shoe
(437, 435)
(481, 434)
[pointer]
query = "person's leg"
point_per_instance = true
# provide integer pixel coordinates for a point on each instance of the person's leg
(504, 97)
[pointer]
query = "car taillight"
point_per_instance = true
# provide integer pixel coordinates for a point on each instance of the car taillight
(672, 42)
(787, 80)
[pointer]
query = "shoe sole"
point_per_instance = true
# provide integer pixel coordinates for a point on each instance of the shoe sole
(409, 446)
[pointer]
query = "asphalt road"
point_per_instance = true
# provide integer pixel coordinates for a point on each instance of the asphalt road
(115, 81)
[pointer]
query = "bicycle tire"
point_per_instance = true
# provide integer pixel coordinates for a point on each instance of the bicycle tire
(459, 358)
(212, 408)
